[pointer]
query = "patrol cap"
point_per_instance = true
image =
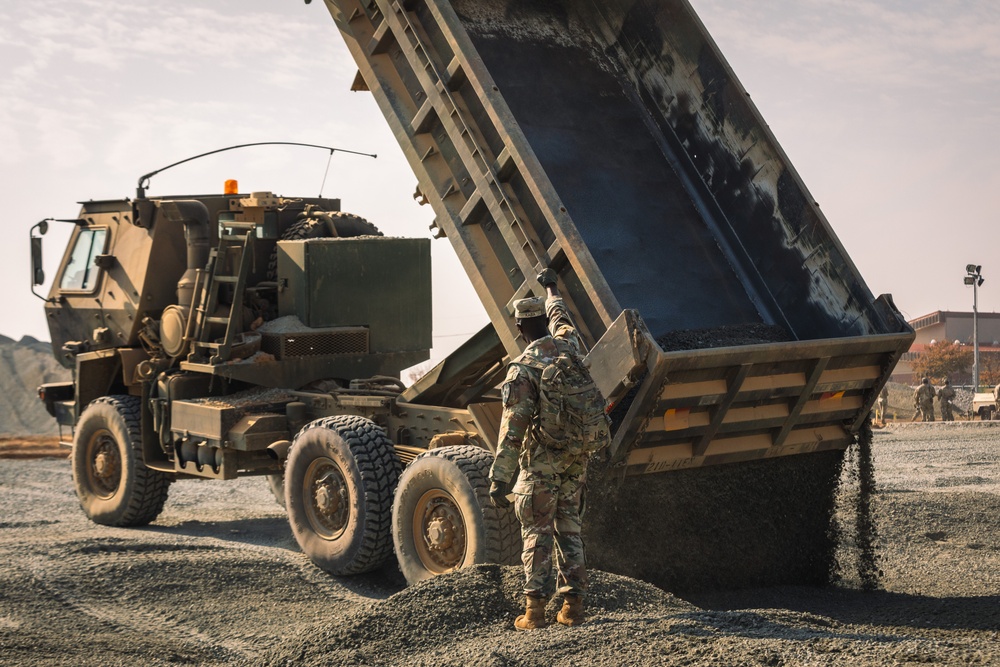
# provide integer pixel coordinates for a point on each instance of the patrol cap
(525, 309)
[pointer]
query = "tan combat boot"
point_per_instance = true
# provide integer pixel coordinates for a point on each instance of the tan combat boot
(572, 611)
(533, 616)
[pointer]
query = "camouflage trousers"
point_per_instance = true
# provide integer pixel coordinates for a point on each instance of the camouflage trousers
(549, 507)
(925, 411)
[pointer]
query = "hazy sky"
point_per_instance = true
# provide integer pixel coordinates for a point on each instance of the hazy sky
(887, 108)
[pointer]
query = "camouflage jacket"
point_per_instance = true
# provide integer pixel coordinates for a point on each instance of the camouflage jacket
(520, 400)
(924, 395)
(946, 393)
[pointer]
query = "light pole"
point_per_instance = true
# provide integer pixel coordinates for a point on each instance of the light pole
(974, 277)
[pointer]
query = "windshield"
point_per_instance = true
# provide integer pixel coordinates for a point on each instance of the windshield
(81, 272)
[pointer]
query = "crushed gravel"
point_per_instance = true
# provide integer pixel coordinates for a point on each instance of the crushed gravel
(219, 580)
(741, 334)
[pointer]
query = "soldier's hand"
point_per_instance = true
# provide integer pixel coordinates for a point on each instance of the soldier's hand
(498, 494)
(547, 277)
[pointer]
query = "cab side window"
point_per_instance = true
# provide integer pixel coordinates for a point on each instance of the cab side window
(81, 273)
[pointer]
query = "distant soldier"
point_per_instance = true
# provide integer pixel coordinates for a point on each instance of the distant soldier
(945, 396)
(923, 400)
(881, 405)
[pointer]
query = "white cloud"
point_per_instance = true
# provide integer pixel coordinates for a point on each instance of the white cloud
(928, 45)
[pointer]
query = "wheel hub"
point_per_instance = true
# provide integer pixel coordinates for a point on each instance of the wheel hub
(327, 492)
(439, 530)
(440, 533)
(101, 464)
(330, 494)
(105, 467)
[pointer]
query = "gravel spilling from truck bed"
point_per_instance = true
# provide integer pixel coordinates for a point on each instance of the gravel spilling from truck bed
(858, 543)
(740, 525)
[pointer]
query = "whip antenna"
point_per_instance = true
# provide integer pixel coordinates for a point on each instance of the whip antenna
(140, 190)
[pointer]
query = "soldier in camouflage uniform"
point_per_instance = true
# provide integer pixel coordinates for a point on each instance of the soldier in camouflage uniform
(945, 396)
(923, 399)
(881, 405)
(549, 489)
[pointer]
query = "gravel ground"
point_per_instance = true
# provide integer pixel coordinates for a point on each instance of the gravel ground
(218, 580)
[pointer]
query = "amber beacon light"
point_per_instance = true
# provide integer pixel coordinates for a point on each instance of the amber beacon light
(231, 187)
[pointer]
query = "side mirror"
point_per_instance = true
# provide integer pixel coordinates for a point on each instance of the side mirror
(37, 273)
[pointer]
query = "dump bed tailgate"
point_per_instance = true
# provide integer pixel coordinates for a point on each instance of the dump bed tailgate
(723, 405)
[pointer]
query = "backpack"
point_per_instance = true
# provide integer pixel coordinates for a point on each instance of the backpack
(571, 409)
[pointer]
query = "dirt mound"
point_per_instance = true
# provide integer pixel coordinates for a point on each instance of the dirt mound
(465, 611)
(24, 365)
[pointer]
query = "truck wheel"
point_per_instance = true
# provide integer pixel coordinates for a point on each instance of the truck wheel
(347, 225)
(113, 484)
(339, 480)
(442, 518)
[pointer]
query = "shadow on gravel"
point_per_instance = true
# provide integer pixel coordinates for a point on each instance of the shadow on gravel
(275, 533)
(266, 532)
(879, 608)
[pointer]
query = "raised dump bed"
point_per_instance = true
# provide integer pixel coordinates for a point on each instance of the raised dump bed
(612, 142)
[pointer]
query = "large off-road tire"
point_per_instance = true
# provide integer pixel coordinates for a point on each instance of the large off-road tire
(113, 484)
(339, 481)
(442, 518)
(347, 225)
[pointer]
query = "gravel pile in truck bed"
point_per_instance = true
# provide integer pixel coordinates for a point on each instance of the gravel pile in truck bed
(740, 334)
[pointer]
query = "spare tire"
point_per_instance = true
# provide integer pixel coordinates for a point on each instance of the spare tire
(346, 225)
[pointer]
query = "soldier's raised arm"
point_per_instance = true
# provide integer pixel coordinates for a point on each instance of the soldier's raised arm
(561, 323)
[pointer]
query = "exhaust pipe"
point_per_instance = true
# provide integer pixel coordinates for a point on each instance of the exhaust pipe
(174, 323)
(279, 450)
(194, 216)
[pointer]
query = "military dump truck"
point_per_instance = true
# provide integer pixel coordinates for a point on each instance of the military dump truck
(739, 348)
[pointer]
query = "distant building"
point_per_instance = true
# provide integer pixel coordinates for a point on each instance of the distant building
(951, 326)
